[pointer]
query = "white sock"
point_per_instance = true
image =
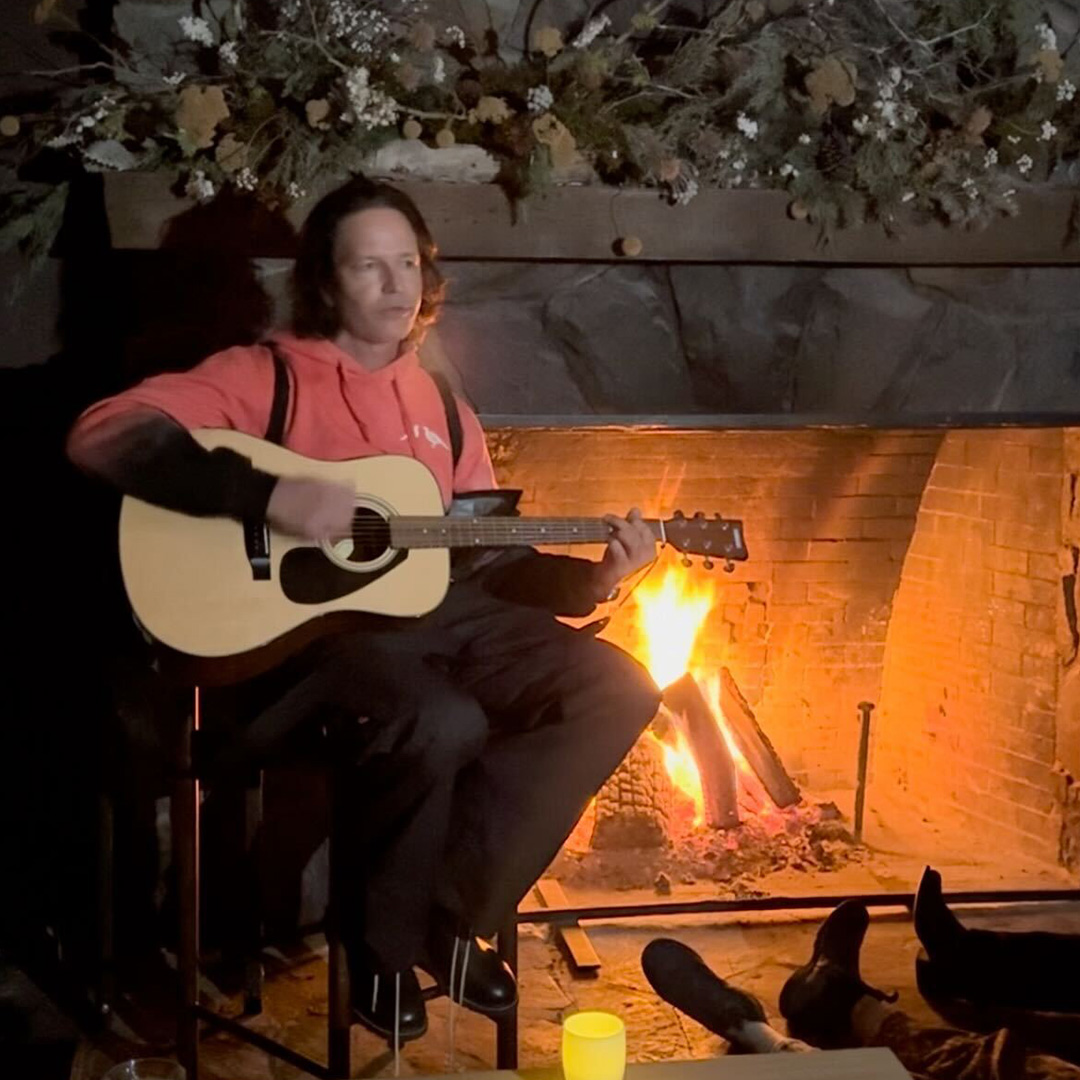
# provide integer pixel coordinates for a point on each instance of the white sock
(762, 1038)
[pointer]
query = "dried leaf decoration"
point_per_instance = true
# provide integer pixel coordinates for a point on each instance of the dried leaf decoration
(549, 41)
(231, 154)
(491, 110)
(551, 132)
(422, 37)
(317, 111)
(1050, 62)
(200, 111)
(43, 10)
(832, 81)
(976, 125)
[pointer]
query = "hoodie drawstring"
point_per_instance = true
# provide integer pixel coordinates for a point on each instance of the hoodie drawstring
(397, 1024)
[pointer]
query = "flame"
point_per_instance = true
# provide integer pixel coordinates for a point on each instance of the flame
(670, 615)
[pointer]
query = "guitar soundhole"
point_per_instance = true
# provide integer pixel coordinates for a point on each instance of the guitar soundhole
(371, 536)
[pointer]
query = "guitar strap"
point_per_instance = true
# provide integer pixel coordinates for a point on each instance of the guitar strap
(279, 408)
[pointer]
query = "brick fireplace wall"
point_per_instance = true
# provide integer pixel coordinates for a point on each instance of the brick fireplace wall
(967, 732)
(829, 516)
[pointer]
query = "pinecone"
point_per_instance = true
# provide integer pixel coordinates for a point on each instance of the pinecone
(835, 159)
(633, 809)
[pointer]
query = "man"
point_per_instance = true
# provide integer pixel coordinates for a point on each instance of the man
(478, 732)
(828, 1005)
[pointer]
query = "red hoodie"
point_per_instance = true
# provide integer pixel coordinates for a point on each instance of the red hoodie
(337, 409)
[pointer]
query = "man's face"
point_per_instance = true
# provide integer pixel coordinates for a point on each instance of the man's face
(377, 276)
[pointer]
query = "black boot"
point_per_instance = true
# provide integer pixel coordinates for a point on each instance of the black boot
(817, 1000)
(387, 1002)
(468, 969)
(1013, 969)
(680, 976)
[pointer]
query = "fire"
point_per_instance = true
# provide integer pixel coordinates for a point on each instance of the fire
(671, 614)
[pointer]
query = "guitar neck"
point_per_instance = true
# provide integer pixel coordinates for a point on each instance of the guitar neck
(451, 532)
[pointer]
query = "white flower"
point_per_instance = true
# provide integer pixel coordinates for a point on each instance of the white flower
(246, 180)
(196, 29)
(294, 191)
(991, 158)
(971, 188)
(371, 108)
(228, 53)
(198, 187)
(1066, 91)
(786, 169)
(895, 75)
(804, 139)
(438, 70)
(907, 196)
(591, 31)
(175, 79)
(1025, 164)
(362, 28)
(738, 165)
(1008, 193)
(862, 125)
(687, 191)
(747, 126)
(455, 35)
(540, 99)
(1045, 33)
(1048, 131)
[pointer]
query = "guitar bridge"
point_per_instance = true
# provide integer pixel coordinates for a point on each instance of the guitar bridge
(257, 546)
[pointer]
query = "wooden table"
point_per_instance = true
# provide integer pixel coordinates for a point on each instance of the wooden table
(873, 1064)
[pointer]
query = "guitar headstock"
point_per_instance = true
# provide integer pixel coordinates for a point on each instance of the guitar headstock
(716, 538)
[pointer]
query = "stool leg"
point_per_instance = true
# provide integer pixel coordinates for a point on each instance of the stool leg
(106, 988)
(252, 947)
(506, 1027)
(340, 996)
(185, 833)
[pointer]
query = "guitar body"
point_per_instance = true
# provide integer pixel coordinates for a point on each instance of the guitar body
(212, 588)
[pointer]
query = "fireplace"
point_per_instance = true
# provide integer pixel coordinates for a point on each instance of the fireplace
(930, 573)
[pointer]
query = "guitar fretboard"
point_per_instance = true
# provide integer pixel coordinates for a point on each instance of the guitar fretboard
(423, 532)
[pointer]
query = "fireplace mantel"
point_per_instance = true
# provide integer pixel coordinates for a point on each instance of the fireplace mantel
(583, 223)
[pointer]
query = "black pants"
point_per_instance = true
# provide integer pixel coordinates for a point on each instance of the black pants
(474, 739)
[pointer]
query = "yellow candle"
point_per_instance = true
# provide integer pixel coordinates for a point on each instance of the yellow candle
(593, 1046)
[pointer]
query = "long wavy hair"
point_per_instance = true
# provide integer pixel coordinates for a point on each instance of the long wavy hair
(314, 314)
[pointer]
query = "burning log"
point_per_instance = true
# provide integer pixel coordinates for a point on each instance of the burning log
(754, 744)
(719, 780)
(633, 808)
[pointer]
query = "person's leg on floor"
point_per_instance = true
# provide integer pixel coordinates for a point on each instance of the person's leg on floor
(680, 976)
(990, 967)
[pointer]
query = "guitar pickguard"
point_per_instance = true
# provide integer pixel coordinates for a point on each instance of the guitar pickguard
(308, 577)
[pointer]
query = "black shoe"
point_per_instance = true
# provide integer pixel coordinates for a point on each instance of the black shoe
(680, 976)
(936, 926)
(480, 979)
(817, 1000)
(377, 997)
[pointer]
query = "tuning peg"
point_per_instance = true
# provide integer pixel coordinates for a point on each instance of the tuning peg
(708, 563)
(687, 561)
(699, 516)
(678, 515)
(729, 566)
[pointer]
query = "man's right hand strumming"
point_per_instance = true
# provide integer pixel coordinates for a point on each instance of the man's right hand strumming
(312, 509)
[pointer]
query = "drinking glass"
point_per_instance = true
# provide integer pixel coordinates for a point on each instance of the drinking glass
(593, 1046)
(146, 1069)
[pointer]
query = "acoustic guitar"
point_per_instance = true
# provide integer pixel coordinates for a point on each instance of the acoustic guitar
(214, 587)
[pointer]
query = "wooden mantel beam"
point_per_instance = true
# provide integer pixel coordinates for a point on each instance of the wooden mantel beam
(582, 224)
